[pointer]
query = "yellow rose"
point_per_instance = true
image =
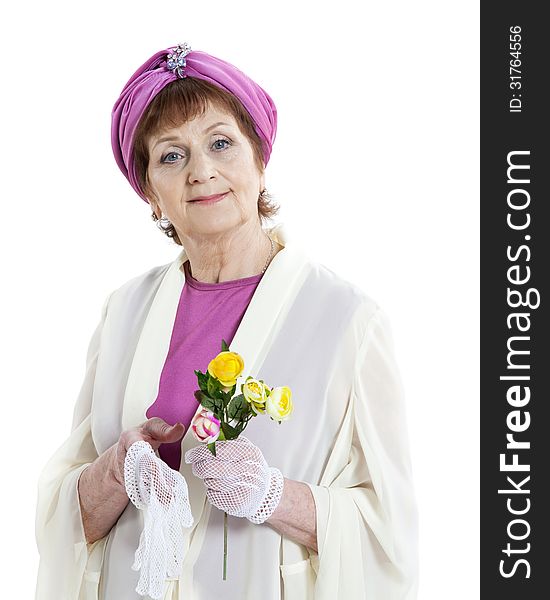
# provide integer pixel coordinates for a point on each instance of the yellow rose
(255, 393)
(279, 404)
(226, 367)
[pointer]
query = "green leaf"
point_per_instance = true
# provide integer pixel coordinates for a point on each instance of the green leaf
(230, 432)
(213, 404)
(240, 427)
(219, 395)
(225, 347)
(213, 386)
(212, 448)
(206, 401)
(238, 408)
(202, 379)
(226, 398)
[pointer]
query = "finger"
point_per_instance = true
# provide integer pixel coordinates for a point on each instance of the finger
(162, 431)
(216, 469)
(216, 485)
(232, 450)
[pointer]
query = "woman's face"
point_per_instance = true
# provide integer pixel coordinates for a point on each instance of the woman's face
(206, 156)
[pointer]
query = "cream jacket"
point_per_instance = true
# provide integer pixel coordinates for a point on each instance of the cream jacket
(307, 328)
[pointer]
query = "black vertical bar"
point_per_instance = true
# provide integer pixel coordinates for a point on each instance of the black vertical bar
(515, 255)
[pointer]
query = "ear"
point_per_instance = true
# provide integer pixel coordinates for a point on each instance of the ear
(262, 182)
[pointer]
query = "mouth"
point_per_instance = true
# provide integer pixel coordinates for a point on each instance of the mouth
(208, 199)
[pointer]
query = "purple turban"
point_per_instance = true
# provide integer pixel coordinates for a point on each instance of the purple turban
(158, 72)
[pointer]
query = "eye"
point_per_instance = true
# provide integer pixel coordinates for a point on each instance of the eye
(221, 144)
(171, 157)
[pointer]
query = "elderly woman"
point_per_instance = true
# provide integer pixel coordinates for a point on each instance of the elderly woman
(331, 513)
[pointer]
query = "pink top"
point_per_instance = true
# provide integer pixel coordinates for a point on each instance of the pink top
(206, 314)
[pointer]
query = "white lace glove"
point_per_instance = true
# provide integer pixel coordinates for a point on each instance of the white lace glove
(238, 479)
(162, 494)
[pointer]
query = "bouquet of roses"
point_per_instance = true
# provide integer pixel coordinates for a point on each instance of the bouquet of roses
(224, 415)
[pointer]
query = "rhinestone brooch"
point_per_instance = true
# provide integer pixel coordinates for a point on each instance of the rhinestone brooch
(175, 61)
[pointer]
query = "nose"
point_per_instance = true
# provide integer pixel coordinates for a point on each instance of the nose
(200, 167)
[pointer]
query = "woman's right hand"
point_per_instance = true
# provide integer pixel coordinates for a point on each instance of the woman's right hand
(155, 431)
(101, 489)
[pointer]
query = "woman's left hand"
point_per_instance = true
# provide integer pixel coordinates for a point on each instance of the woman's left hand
(238, 479)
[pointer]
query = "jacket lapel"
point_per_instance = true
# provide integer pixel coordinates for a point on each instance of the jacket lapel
(152, 347)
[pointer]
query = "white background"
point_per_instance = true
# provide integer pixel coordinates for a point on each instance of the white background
(375, 167)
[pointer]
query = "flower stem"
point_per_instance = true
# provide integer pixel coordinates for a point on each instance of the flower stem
(224, 546)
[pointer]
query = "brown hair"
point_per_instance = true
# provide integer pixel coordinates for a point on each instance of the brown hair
(181, 101)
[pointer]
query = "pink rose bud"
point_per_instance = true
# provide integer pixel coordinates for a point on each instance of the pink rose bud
(206, 427)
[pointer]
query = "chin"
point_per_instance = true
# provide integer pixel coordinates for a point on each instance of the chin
(215, 225)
